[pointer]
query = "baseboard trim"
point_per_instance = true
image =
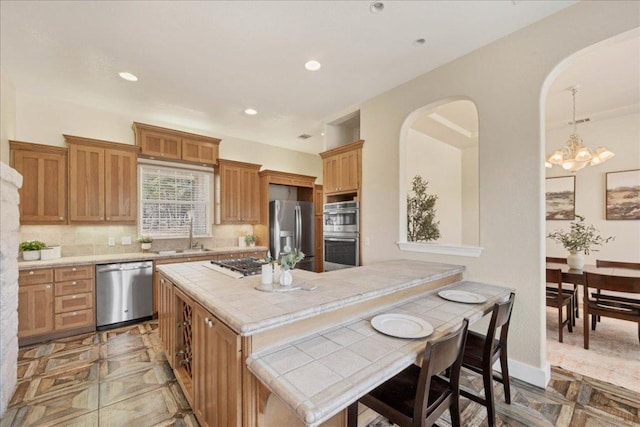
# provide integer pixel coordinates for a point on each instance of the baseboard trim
(538, 377)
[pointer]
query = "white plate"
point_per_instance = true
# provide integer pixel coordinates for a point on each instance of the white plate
(402, 325)
(462, 296)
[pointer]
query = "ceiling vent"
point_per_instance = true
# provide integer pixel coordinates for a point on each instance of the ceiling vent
(304, 136)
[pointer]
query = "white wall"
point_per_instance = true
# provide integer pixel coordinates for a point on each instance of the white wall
(470, 199)
(622, 136)
(7, 116)
(43, 120)
(441, 165)
(505, 80)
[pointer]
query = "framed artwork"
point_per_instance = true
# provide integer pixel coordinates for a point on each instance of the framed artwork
(560, 198)
(623, 194)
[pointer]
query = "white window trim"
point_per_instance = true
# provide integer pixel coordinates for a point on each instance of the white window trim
(440, 249)
(195, 168)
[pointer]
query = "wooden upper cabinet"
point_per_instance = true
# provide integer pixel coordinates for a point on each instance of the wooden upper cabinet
(158, 144)
(43, 196)
(121, 185)
(239, 192)
(103, 180)
(342, 168)
(168, 144)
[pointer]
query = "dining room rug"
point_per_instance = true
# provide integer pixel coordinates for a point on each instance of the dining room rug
(613, 355)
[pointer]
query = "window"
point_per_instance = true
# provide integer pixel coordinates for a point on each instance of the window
(170, 196)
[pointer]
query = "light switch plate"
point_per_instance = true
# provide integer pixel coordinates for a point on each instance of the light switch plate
(112, 241)
(126, 240)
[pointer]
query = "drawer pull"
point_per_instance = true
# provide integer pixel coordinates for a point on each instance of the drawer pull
(74, 283)
(48, 286)
(73, 296)
(73, 269)
(61, 218)
(74, 313)
(31, 273)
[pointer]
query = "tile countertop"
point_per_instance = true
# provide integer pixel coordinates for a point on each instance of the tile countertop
(248, 311)
(126, 257)
(321, 374)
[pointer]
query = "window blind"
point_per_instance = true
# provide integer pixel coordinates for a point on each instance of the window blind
(170, 197)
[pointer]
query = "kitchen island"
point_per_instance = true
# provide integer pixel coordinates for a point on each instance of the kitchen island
(299, 356)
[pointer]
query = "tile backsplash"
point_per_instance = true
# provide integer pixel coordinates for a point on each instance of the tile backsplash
(94, 239)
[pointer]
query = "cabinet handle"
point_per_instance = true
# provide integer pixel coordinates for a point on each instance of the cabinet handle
(61, 218)
(73, 296)
(31, 273)
(74, 313)
(101, 218)
(73, 269)
(74, 283)
(108, 218)
(48, 286)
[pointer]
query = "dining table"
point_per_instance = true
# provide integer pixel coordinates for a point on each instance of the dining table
(577, 277)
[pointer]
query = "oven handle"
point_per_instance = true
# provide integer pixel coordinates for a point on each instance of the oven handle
(337, 239)
(350, 211)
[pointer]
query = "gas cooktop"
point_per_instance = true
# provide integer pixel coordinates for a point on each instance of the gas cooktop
(245, 266)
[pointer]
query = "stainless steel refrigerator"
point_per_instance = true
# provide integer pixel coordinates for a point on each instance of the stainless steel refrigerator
(291, 224)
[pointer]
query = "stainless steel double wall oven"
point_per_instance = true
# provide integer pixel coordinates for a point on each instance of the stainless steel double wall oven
(341, 233)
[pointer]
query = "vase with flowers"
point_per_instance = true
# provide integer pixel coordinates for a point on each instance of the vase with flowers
(579, 240)
(288, 262)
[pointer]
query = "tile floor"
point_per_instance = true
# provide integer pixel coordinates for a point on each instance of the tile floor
(121, 378)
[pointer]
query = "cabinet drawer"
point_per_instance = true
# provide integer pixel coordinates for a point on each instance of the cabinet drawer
(255, 254)
(74, 319)
(74, 302)
(73, 273)
(35, 276)
(74, 287)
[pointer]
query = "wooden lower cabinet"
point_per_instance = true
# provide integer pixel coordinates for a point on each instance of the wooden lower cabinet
(54, 303)
(217, 372)
(35, 310)
(205, 355)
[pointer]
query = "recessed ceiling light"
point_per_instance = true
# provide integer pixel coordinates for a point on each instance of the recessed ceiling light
(376, 7)
(128, 76)
(312, 65)
(250, 111)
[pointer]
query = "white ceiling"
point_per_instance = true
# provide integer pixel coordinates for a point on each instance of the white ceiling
(200, 64)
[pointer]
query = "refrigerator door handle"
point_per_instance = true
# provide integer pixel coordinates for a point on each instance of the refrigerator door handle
(298, 237)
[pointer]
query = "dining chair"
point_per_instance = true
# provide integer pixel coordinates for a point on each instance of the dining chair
(614, 264)
(418, 396)
(622, 307)
(574, 289)
(482, 351)
(560, 299)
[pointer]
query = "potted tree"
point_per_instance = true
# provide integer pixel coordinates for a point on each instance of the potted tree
(31, 249)
(579, 240)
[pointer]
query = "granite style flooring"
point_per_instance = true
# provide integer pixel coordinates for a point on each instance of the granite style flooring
(121, 378)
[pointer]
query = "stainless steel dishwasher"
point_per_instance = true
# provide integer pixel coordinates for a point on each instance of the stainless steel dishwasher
(124, 293)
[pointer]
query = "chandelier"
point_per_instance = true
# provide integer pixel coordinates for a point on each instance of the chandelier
(575, 156)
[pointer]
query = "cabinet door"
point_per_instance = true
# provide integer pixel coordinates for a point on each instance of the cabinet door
(163, 146)
(43, 196)
(166, 318)
(121, 186)
(230, 193)
(35, 310)
(86, 183)
(250, 196)
(217, 372)
(318, 200)
(348, 178)
(199, 151)
(331, 174)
